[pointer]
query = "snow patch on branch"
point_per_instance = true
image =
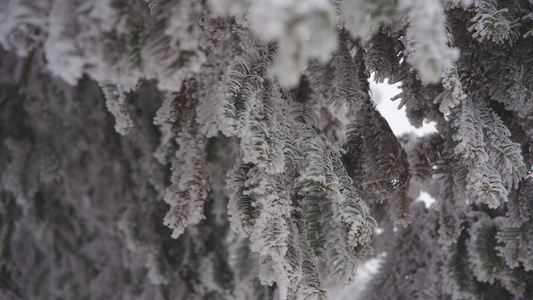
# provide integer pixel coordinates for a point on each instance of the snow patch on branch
(426, 38)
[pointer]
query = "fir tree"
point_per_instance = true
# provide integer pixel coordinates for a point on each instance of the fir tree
(230, 149)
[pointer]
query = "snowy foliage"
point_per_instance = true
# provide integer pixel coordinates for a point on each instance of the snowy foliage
(189, 180)
(426, 38)
(231, 149)
(492, 21)
(362, 18)
(453, 91)
(489, 163)
(115, 103)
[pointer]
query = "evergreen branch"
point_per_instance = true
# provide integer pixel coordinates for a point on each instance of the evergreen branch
(116, 105)
(337, 81)
(190, 178)
(482, 253)
(384, 164)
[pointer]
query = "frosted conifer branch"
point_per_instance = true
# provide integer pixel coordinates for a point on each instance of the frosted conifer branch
(453, 93)
(519, 205)
(189, 180)
(263, 144)
(259, 208)
(243, 208)
(295, 196)
(216, 31)
(426, 155)
(338, 220)
(505, 155)
(362, 18)
(477, 176)
(512, 250)
(384, 53)
(164, 119)
(483, 255)
(172, 51)
(310, 285)
(426, 39)
(303, 29)
(420, 279)
(385, 165)
(512, 83)
(449, 223)
(491, 22)
(458, 278)
(337, 81)
(116, 105)
(241, 82)
(515, 231)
